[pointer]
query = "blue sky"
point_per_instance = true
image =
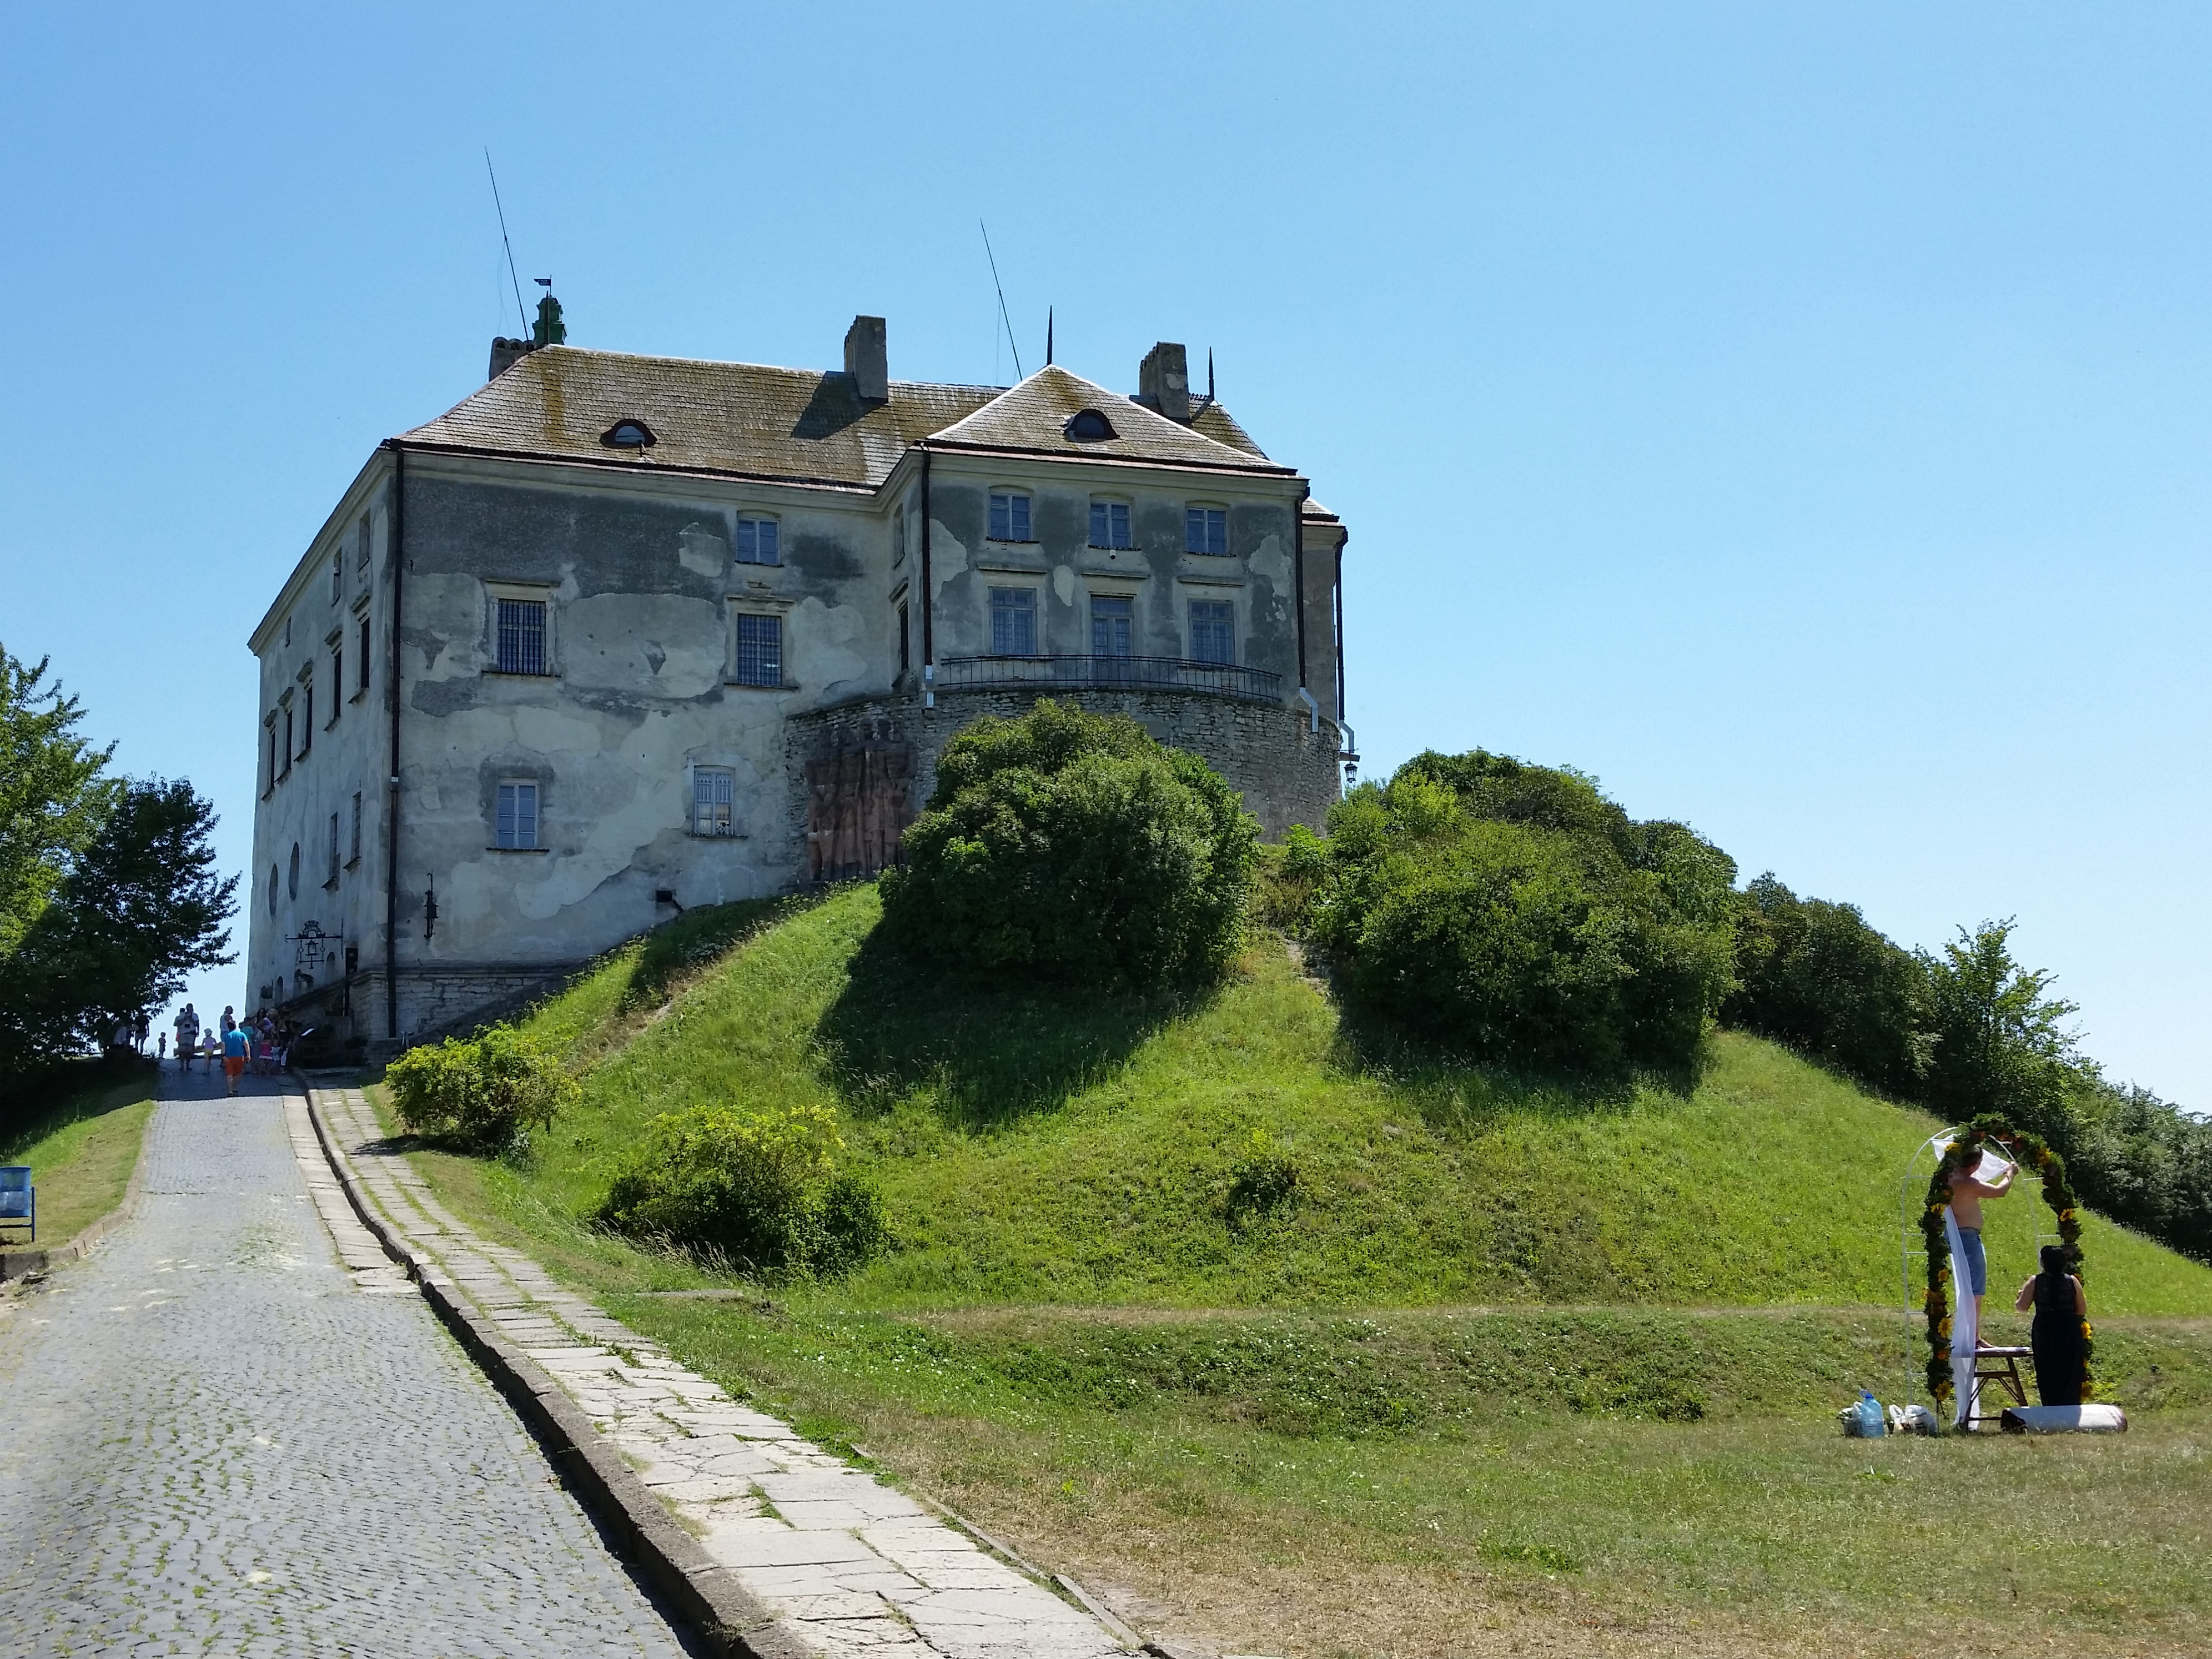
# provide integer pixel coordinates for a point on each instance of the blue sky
(1795, 417)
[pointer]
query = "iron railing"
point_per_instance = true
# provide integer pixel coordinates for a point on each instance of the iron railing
(1112, 674)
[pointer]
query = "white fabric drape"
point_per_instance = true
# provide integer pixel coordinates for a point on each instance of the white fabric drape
(1966, 1337)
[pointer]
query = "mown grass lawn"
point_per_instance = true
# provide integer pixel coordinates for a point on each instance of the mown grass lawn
(1522, 1368)
(80, 1133)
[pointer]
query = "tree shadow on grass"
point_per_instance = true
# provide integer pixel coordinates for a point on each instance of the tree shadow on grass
(1457, 1093)
(70, 1093)
(987, 1051)
(675, 950)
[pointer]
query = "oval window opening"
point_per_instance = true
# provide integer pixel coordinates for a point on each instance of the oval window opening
(1088, 427)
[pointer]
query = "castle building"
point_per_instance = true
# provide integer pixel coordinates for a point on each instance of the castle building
(619, 634)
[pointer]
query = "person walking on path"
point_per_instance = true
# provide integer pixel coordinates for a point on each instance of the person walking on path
(1967, 1192)
(2061, 1304)
(235, 1045)
(188, 1037)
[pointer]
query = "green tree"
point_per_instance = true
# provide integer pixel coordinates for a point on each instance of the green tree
(2000, 1043)
(52, 797)
(1074, 846)
(1515, 911)
(140, 907)
(1813, 974)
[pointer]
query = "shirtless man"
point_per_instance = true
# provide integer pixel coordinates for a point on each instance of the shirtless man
(1967, 1195)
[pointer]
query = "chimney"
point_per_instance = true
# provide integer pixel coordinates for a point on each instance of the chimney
(1163, 382)
(505, 355)
(867, 360)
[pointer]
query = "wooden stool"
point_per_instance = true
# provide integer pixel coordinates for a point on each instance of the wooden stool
(1999, 1365)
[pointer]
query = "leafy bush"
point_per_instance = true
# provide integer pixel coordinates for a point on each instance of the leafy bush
(1266, 1179)
(1513, 911)
(760, 1189)
(1073, 846)
(482, 1092)
(1814, 975)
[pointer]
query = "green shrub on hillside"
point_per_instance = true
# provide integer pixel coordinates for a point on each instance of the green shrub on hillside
(1513, 911)
(482, 1092)
(762, 1189)
(1814, 975)
(1073, 846)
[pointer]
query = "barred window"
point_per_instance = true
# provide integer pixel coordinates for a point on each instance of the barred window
(1109, 524)
(1205, 530)
(760, 650)
(1013, 621)
(1213, 631)
(522, 636)
(713, 794)
(1009, 516)
(517, 825)
(757, 542)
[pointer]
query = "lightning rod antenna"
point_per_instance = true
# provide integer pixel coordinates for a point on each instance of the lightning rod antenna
(997, 284)
(521, 315)
(1048, 336)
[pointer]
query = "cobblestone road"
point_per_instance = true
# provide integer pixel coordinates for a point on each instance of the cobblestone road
(215, 1438)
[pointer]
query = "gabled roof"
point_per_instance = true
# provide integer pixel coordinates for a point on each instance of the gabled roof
(748, 420)
(1031, 419)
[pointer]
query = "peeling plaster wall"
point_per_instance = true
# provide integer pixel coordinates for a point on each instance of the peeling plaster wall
(1156, 574)
(641, 585)
(347, 755)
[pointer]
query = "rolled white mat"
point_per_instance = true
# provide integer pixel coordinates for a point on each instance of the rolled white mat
(2063, 1420)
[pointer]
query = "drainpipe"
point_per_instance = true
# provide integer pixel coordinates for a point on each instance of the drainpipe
(928, 600)
(397, 555)
(1299, 576)
(1342, 540)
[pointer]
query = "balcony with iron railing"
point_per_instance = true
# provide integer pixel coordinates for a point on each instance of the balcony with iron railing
(1071, 672)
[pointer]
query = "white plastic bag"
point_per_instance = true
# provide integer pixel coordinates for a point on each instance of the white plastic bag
(1911, 1420)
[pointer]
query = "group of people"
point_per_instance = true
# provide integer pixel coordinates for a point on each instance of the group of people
(262, 1043)
(2054, 1293)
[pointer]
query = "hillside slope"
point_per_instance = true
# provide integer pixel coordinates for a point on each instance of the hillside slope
(1051, 1147)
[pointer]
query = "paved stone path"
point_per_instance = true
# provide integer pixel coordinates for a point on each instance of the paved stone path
(218, 1435)
(852, 1567)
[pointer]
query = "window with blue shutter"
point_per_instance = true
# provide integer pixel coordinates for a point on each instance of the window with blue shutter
(1206, 530)
(517, 825)
(1009, 516)
(1109, 524)
(757, 542)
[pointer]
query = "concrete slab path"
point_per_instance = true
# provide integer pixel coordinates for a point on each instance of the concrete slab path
(237, 1429)
(851, 1566)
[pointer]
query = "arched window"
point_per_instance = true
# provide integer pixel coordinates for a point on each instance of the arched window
(292, 882)
(1088, 426)
(628, 433)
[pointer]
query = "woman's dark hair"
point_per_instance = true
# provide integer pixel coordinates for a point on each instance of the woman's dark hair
(2054, 1258)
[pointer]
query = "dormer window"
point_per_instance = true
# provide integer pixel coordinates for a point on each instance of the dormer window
(1088, 427)
(628, 433)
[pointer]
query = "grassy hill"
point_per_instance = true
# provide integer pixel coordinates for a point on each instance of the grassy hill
(1523, 1369)
(1053, 1146)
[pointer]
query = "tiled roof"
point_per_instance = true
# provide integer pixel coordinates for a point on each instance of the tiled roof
(752, 421)
(1030, 419)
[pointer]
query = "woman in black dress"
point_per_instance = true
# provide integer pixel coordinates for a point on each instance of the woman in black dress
(2060, 1306)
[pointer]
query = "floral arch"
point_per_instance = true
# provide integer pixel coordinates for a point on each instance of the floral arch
(1964, 1152)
